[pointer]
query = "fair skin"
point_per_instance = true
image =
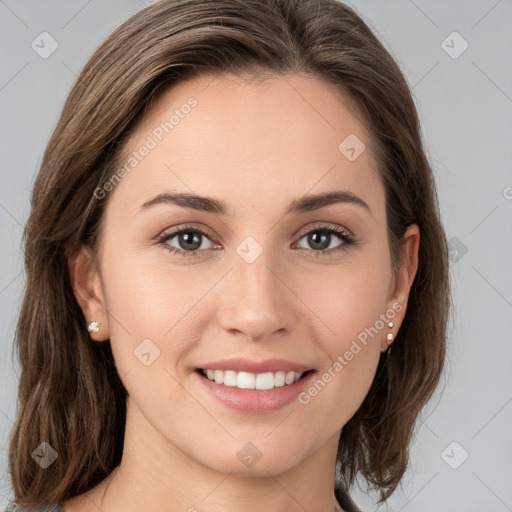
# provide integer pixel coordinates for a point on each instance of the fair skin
(256, 146)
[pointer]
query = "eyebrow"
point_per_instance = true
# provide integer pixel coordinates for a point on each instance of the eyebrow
(304, 204)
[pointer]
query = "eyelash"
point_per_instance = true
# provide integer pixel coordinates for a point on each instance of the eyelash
(340, 232)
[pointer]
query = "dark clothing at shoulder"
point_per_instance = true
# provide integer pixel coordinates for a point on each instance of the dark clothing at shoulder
(345, 500)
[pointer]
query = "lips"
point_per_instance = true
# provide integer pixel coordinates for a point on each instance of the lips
(255, 401)
(254, 386)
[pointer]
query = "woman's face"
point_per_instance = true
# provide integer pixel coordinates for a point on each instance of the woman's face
(277, 280)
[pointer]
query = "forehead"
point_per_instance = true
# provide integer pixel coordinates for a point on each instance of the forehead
(254, 140)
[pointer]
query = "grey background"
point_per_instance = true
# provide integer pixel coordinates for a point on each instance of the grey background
(465, 104)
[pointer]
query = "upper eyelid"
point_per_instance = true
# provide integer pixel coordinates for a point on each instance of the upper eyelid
(327, 225)
(178, 230)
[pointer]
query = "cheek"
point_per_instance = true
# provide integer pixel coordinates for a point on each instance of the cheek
(347, 298)
(148, 294)
(350, 301)
(149, 299)
(151, 320)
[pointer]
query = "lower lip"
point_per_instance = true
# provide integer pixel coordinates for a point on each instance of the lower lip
(254, 400)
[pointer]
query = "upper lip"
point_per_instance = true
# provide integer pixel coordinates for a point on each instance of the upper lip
(241, 364)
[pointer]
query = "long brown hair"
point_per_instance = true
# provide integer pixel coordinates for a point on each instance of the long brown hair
(70, 394)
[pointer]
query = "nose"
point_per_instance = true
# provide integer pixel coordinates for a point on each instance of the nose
(257, 299)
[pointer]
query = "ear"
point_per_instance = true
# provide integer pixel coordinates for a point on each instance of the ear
(405, 274)
(87, 288)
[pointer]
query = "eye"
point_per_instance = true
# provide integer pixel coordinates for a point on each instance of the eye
(190, 241)
(320, 238)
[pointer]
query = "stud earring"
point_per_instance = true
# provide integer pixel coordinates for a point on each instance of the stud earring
(390, 336)
(93, 327)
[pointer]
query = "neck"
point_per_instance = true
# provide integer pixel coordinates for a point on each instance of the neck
(155, 474)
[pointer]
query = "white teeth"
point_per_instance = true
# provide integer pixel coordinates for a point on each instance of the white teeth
(229, 378)
(246, 380)
(265, 380)
(279, 379)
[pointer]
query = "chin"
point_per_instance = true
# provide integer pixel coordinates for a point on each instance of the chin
(256, 459)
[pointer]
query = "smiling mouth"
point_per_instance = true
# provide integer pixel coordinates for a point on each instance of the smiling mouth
(247, 380)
